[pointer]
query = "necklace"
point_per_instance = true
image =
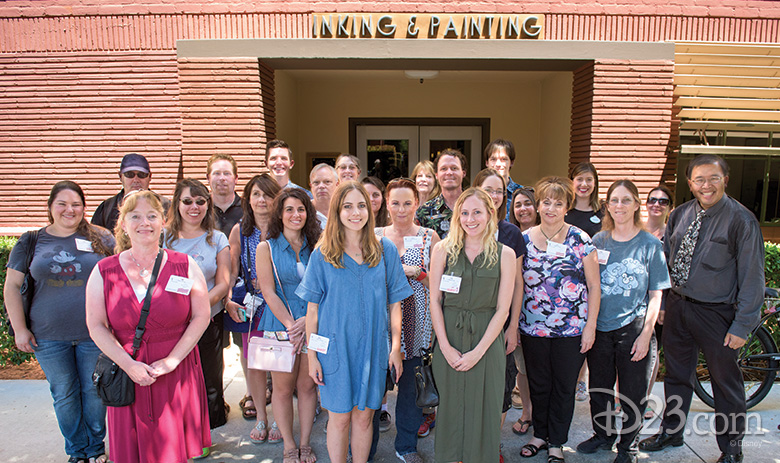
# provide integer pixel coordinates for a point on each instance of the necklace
(549, 238)
(144, 272)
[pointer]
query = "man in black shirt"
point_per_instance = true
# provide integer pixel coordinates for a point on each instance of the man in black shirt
(134, 173)
(222, 174)
(716, 260)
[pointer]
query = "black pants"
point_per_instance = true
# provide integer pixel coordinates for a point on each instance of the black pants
(689, 326)
(609, 359)
(213, 364)
(553, 365)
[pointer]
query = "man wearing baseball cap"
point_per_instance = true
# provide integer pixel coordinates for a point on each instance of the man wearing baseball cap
(134, 173)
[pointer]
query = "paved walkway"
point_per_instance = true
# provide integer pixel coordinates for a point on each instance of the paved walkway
(29, 433)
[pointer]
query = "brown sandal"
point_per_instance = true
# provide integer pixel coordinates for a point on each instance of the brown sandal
(307, 455)
(249, 412)
(291, 456)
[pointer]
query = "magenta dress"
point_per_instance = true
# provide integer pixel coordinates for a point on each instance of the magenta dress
(169, 421)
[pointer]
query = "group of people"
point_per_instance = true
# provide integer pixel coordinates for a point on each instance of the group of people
(514, 289)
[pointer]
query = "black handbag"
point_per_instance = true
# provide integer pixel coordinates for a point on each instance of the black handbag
(28, 283)
(113, 384)
(425, 386)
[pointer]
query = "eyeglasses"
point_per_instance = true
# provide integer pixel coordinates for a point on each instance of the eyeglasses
(624, 201)
(660, 201)
(189, 201)
(714, 181)
(492, 192)
(134, 174)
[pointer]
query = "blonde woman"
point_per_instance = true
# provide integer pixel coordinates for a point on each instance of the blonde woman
(472, 279)
(169, 420)
(424, 177)
(353, 284)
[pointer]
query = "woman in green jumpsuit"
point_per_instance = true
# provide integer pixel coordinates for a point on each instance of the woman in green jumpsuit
(472, 279)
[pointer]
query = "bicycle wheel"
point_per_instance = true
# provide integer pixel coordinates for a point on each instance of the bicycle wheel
(758, 383)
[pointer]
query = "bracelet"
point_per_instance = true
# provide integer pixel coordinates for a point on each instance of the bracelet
(421, 275)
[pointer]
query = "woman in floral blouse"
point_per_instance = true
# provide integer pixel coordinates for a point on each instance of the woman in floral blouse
(558, 319)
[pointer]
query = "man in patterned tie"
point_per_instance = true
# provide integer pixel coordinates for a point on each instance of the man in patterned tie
(716, 259)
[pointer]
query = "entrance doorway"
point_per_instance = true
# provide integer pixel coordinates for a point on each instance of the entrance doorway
(392, 151)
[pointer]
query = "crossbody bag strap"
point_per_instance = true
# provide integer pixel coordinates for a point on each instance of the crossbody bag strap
(139, 330)
(276, 274)
(32, 240)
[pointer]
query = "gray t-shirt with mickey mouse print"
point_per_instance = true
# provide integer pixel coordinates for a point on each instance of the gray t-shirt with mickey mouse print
(61, 269)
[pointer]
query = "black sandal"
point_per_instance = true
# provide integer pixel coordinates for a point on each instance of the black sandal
(532, 450)
(553, 458)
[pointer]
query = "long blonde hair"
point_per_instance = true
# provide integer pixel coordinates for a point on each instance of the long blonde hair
(130, 202)
(331, 243)
(454, 241)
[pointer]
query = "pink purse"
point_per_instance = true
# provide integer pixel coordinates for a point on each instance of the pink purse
(268, 353)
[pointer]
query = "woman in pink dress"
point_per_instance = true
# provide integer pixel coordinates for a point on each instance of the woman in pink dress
(169, 420)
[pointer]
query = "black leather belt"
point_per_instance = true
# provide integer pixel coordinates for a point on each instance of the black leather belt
(694, 301)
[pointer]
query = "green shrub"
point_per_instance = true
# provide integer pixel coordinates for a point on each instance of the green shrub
(9, 354)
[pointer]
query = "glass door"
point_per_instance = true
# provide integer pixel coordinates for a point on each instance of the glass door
(391, 151)
(388, 151)
(466, 139)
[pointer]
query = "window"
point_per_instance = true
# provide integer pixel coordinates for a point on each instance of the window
(754, 163)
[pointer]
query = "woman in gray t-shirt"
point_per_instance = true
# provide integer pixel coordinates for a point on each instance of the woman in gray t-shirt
(64, 254)
(191, 229)
(633, 276)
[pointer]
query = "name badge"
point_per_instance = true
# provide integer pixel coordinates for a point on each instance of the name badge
(603, 256)
(318, 343)
(595, 219)
(450, 284)
(252, 302)
(413, 242)
(84, 245)
(179, 285)
(556, 249)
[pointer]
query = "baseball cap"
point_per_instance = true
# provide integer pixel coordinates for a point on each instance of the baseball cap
(134, 161)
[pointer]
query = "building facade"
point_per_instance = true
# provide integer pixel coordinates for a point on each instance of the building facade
(636, 87)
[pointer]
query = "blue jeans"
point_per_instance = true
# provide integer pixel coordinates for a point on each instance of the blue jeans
(408, 416)
(68, 366)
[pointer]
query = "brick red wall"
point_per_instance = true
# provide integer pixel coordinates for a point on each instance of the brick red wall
(73, 116)
(621, 117)
(227, 107)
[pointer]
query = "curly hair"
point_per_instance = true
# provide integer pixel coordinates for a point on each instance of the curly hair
(311, 228)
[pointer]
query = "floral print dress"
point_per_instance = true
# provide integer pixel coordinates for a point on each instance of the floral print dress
(555, 303)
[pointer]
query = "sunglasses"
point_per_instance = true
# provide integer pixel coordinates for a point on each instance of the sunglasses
(189, 201)
(134, 174)
(660, 201)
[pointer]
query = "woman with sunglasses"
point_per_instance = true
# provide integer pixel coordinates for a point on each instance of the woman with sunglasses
(658, 205)
(191, 230)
